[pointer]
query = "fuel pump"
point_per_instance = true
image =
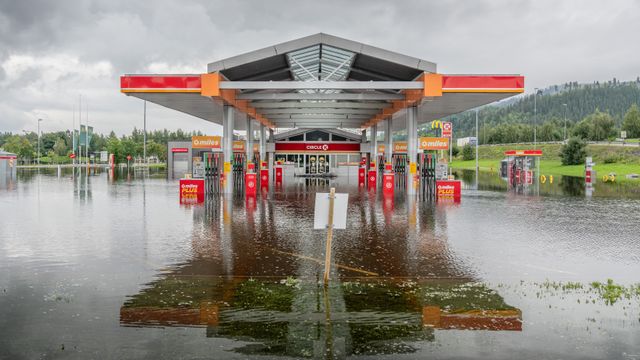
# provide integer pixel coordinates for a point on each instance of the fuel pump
(212, 172)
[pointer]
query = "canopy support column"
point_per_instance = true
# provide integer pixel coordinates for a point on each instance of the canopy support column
(388, 137)
(227, 147)
(374, 144)
(263, 142)
(249, 143)
(412, 146)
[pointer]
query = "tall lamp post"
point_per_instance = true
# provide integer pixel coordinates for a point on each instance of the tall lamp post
(565, 122)
(39, 120)
(535, 117)
(477, 141)
(144, 135)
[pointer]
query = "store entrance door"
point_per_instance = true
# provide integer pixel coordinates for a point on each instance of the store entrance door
(317, 164)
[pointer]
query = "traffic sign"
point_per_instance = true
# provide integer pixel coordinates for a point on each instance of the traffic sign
(128, 157)
(447, 129)
(72, 156)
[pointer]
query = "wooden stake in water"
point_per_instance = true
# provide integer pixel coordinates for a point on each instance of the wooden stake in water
(327, 254)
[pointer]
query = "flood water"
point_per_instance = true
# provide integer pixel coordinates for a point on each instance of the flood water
(92, 267)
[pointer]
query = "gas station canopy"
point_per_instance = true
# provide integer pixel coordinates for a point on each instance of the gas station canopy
(322, 81)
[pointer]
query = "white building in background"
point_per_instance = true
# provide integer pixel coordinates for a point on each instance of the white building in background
(471, 140)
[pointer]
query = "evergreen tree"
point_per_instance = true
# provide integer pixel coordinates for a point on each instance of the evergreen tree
(467, 153)
(631, 123)
(574, 152)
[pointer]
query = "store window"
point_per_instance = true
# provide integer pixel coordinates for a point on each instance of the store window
(317, 135)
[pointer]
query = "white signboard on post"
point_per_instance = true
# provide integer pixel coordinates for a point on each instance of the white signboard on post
(321, 214)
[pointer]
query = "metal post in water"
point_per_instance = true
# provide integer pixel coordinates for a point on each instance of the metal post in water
(327, 255)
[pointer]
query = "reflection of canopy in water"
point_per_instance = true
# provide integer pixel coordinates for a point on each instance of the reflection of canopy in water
(288, 317)
(272, 240)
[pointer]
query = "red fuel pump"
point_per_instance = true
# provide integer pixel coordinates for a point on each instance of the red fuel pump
(388, 179)
(372, 178)
(250, 180)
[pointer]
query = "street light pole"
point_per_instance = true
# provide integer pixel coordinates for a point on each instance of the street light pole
(565, 122)
(39, 140)
(535, 117)
(144, 134)
(477, 140)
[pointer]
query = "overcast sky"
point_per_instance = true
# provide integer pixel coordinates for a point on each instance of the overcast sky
(53, 51)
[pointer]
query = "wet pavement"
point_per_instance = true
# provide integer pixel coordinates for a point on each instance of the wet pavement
(100, 268)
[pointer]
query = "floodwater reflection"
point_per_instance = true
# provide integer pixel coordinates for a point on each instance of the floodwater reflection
(302, 318)
(111, 265)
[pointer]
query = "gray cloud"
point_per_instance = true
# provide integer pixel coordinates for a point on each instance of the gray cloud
(52, 51)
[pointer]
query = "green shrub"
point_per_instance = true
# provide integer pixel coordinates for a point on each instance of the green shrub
(468, 153)
(455, 150)
(611, 158)
(574, 152)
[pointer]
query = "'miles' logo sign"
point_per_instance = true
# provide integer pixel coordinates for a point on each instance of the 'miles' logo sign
(433, 143)
(205, 142)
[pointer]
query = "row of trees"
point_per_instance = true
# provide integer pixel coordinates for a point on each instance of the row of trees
(56, 146)
(572, 101)
(597, 126)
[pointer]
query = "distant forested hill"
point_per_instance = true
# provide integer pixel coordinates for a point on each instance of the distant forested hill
(513, 121)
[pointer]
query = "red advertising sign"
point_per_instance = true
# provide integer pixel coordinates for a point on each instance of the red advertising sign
(373, 173)
(250, 183)
(191, 191)
(179, 150)
(301, 147)
(264, 178)
(362, 176)
(447, 129)
(388, 183)
(448, 190)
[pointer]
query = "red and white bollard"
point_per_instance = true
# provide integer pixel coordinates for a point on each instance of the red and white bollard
(279, 171)
(388, 180)
(250, 180)
(362, 176)
(264, 176)
(372, 178)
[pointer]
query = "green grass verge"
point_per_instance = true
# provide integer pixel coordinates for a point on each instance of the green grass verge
(555, 167)
(623, 160)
